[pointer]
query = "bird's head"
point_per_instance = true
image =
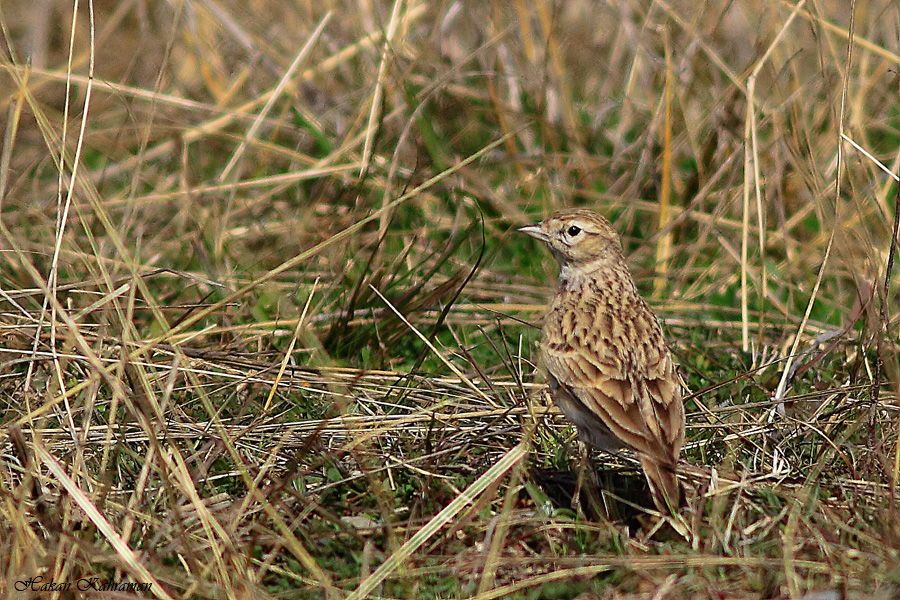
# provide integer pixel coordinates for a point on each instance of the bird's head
(580, 239)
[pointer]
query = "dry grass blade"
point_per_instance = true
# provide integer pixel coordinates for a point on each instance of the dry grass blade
(783, 382)
(868, 155)
(126, 554)
(275, 96)
(378, 92)
(664, 242)
(751, 157)
(290, 350)
(434, 350)
(465, 498)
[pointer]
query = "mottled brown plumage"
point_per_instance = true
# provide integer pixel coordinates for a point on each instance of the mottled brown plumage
(609, 369)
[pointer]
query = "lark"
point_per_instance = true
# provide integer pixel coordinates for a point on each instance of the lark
(608, 366)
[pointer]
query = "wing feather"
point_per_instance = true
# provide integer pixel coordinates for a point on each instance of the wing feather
(619, 368)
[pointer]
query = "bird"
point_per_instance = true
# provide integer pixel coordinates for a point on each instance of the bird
(608, 367)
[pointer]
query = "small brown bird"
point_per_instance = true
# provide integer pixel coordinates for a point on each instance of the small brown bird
(609, 369)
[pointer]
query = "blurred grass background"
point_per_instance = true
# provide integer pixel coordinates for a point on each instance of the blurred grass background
(267, 330)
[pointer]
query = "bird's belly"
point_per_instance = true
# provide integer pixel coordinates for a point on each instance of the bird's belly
(591, 430)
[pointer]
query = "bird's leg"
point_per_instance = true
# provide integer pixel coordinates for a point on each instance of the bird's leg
(584, 466)
(596, 497)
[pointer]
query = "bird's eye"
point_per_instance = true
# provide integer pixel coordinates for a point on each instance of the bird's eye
(573, 230)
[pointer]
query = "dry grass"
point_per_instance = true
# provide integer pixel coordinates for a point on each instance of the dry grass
(266, 332)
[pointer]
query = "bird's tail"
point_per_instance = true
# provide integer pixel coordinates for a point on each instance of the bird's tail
(664, 485)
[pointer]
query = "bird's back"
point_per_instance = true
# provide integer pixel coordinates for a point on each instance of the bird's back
(605, 348)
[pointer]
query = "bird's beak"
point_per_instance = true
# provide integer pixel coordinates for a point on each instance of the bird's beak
(535, 231)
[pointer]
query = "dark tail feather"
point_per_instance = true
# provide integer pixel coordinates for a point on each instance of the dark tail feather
(664, 485)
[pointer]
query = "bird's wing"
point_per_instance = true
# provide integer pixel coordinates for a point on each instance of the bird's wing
(621, 370)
